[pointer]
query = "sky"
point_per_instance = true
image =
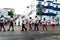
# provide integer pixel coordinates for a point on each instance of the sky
(18, 5)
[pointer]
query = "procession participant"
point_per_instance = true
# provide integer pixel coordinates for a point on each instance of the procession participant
(53, 23)
(2, 22)
(11, 23)
(30, 23)
(19, 23)
(36, 23)
(44, 23)
(23, 25)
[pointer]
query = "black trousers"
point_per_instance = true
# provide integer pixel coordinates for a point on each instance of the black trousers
(23, 27)
(36, 27)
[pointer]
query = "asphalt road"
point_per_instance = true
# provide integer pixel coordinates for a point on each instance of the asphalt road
(31, 35)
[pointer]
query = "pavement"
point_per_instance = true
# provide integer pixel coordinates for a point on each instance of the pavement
(31, 35)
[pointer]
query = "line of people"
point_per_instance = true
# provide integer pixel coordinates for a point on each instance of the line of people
(2, 23)
(29, 23)
(38, 22)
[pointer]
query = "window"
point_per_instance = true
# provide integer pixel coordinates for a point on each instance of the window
(55, 0)
(48, 11)
(44, 2)
(44, 10)
(40, 0)
(57, 6)
(48, 4)
(51, 4)
(56, 12)
(49, 0)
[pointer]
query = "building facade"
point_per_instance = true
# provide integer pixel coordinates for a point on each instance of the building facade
(49, 8)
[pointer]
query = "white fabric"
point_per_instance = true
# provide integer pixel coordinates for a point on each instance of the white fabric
(33, 21)
(43, 22)
(30, 21)
(36, 20)
(2, 20)
(11, 19)
(52, 22)
(24, 21)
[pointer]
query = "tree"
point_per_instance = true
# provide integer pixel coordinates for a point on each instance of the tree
(40, 12)
(10, 13)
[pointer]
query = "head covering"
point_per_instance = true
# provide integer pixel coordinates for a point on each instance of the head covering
(2, 16)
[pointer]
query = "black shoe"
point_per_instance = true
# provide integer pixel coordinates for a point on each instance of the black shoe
(34, 29)
(0, 30)
(8, 30)
(37, 29)
(21, 30)
(12, 30)
(4, 31)
(25, 29)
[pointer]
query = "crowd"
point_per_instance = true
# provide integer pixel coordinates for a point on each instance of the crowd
(28, 23)
(34, 25)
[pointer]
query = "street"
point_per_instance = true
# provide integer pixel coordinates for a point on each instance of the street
(30, 35)
(26, 12)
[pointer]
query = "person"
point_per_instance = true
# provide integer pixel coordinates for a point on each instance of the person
(39, 22)
(36, 23)
(44, 23)
(15, 23)
(53, 23)
(11, 24)
(23, 25)
(30, 23)
(33, 23)
(2, 21)
(27, 22)
(19, 23)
